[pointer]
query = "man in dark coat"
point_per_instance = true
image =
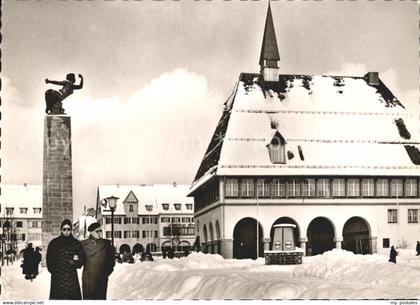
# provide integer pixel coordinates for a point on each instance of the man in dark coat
(28, 261)
(64, 255)
(418, 248)
(37, 260)
(393, 255)
(99, 264)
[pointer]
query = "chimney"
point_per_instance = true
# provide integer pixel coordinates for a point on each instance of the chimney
(174, 183)
(372, 78)
(25, 184)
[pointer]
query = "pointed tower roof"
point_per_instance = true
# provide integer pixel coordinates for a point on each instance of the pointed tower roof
(269, 50)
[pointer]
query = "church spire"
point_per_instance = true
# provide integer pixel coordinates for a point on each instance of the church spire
(269, 56)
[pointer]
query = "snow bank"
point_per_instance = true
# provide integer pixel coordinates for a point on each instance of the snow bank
(374, 270)
(336, 274)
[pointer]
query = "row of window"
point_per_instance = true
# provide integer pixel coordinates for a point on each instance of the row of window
(9, 211)
(167, 231)
(19, 224)
(320, 187)
(132, 234)
(177, 206)
(165, 206)
(177, 219)
(177, 231)
(147, 220)
(412, 215)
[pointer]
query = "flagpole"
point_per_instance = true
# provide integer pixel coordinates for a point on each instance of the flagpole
(258, 231)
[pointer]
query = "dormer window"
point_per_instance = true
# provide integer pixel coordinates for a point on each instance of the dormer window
(23, 210)
(165, 206)
(149, 207)
(177, 206)
(277, 149)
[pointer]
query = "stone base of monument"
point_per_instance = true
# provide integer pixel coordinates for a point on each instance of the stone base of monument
(57, 201)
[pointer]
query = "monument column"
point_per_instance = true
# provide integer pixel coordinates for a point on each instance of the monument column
(57, 188)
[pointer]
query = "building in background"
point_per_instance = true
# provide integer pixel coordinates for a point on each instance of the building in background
(148, 217)
(80, 226)
(337, 156)
(20, 216)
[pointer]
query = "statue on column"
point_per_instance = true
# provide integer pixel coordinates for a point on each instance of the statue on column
(53, 98)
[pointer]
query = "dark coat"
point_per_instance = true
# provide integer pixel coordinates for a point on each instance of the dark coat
(99, 265)
(28, 261)
(37, 258)
(393, 255)
(418, 248)
(63, 269)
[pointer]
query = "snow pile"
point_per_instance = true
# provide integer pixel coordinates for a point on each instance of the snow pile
(346, 267)
(336, 274)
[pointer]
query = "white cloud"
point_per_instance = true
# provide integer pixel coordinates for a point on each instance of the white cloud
(158, 135)
(349, 69)
(22, 137)
(409, 98)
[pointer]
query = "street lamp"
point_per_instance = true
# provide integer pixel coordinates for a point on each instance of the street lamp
(112, 202)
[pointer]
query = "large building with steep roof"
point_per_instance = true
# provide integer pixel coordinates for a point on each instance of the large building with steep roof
(148, 217)
(338, 156)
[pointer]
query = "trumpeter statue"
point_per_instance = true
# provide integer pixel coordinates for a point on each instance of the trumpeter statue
(53, 98)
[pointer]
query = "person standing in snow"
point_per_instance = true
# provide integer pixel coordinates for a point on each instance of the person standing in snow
(100, 262)
(393, 255)
(28, 262)
(37, 260)
(418, 248)
(64, 255)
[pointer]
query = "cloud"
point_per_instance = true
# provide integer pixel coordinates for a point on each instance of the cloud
(409, 98)
(158, 135)
(22, 137)
(350, 69)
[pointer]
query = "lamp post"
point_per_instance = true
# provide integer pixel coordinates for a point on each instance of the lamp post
(112, 202)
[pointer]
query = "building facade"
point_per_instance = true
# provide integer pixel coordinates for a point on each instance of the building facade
(20, 216)
(148, 217)
(337, 156)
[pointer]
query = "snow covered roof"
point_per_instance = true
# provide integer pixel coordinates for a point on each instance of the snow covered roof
(332, 125)
(21, 196)
(148, 195)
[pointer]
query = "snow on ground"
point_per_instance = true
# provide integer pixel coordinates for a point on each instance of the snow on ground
(336, 274)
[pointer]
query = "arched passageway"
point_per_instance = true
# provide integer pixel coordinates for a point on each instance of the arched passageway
(245, 239)
(183, 245)
(151, 247)
(125, 248)
(320, 236)
(138, 248)
(356, 236)
(282, 220)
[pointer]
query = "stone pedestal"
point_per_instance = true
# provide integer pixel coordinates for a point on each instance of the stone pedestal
(226, 248)
(57, 192)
